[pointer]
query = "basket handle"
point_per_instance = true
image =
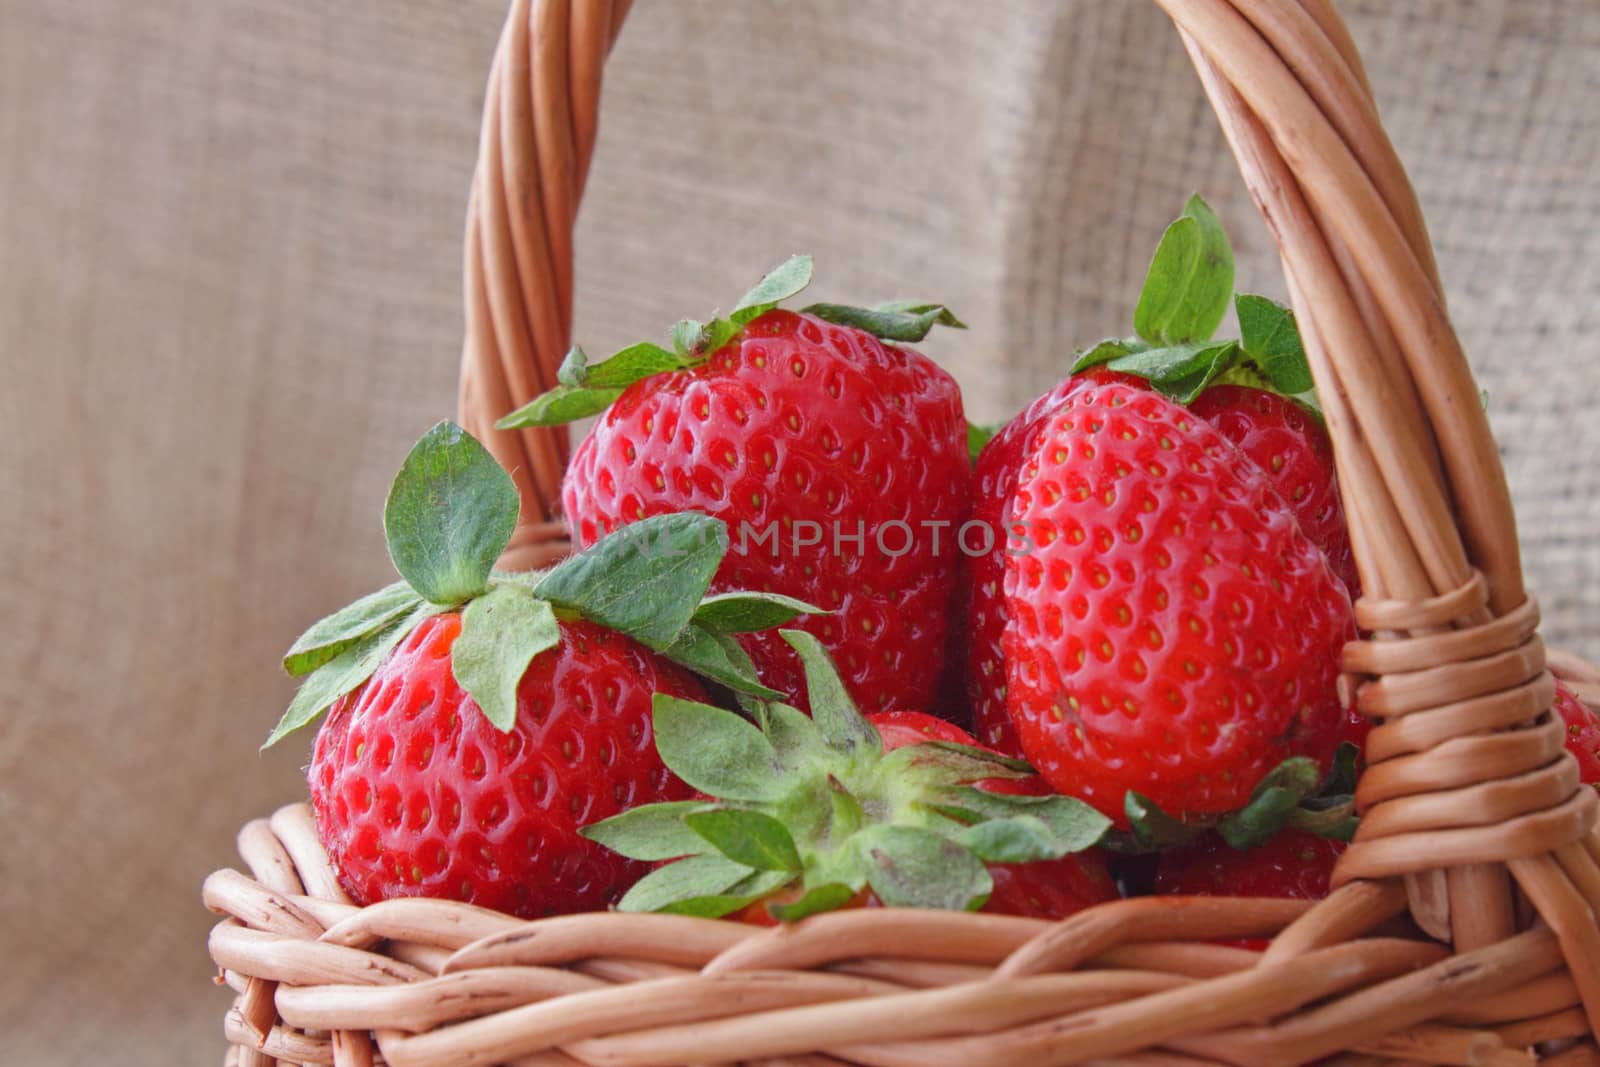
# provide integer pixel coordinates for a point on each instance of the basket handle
(540, 116)
(1468, 789)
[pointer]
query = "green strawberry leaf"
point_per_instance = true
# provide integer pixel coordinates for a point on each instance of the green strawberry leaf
(450, 513)
(642, 360)
(685, 880)
(739, 895)
(718, 333)
(720, 658)
(1269, 337)
(829, 896)
(348, 626)
(1337, 821)
(1106, 351)
(589, 388)
(651, 832)
(343, 674)
(919, 307)
(1020, 839)
(1331, 811)
(1312, 403)
(782, 282)
(646, 579)
(1152, 828)
(905, 321)
(948, 763)
(1180, 371)
(1341, 780)
(687, 336)
(915, 868)
(559, 406)
(747, 837)
(574, 369)
(1072, 825)
(501, 632)
(744, 612)
(843, 726)
(977, 437)
(716, 752)
(1271, 802)
(1189, 282)
(793, 735)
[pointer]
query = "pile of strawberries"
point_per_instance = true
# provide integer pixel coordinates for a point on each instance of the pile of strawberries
(827, 645)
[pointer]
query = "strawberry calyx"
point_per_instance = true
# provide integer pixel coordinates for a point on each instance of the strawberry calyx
(586, 389)
(1293, 795)
(1186, 293)
(450, 514)
(806, 814)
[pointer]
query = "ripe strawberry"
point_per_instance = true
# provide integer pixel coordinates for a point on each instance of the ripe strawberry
(1292, 448)
(417, 794)
(1179, 625)
(1583, 734)
(1275, 432)
(1294, 864)
(981, 601)
(804, 815)
(1256, 392)
(837, 461)
(1172, 630)
(478, 719)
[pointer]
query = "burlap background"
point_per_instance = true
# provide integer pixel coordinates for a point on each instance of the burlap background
(229, 278)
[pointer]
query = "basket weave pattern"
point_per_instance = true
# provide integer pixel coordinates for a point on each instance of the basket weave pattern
(1474, 823)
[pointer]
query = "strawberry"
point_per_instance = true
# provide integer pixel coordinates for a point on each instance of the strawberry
(1243, 388)
(1292, 448)
(416, 793)
(837, 461)
(981, 599)
(479, 718)
(799, 815)
(1583, 734)
(1294, 864)
(1172, 632)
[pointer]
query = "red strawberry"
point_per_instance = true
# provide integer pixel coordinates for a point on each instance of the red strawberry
(417, 794)
(800, 421)
(837, 461)
(1185, 296)
(1293, 864)
(1274, 431)
(981, 601)
(473, 728)
(1172, 630)
(1292, 448)
(844, 811)
(1583, 734)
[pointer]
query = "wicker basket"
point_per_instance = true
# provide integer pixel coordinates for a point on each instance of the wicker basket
(1474, 820)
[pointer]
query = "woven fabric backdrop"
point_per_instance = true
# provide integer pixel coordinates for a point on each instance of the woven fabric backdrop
(229, 301)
